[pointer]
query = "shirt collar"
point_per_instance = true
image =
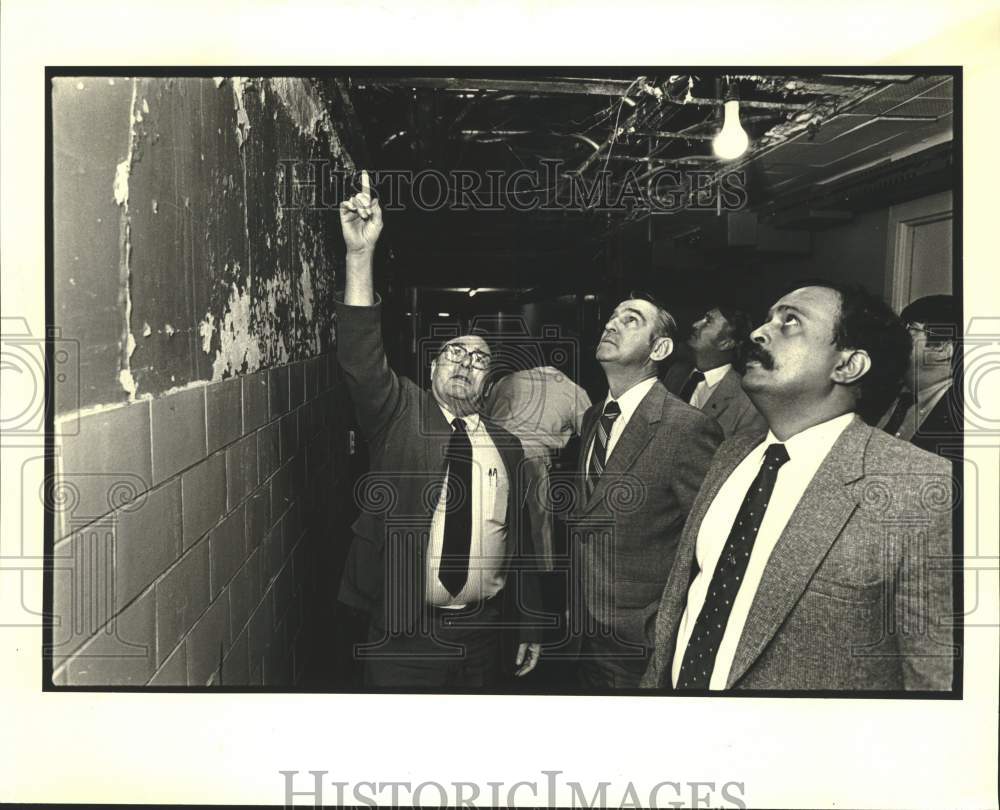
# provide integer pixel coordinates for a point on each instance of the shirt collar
(813, 442)
(471, 421)
(631, 398)
(714, 375)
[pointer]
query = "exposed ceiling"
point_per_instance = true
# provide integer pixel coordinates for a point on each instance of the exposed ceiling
(813, 134)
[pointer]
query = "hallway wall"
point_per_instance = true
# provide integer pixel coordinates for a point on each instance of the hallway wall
(201, 425)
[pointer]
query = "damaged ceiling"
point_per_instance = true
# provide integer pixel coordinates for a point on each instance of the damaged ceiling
(813, 137)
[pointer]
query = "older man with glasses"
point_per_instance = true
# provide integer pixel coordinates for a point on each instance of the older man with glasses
(928, 411)
(441, 558)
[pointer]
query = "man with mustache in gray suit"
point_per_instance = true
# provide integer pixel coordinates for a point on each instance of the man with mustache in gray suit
(817, 555)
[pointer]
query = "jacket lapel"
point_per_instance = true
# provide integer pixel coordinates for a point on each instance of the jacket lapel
(816, 522)
(723, 394)
(675, 592)
(435, 433)
(634, 438)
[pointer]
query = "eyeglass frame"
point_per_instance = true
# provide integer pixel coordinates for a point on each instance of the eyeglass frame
(461, 353)
(932, 334)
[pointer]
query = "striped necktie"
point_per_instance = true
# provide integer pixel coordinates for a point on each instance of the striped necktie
(598, 457)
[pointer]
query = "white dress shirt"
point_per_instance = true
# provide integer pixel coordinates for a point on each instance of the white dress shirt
(488, 550)
(806, 451)
(703, 390)
(628, 402)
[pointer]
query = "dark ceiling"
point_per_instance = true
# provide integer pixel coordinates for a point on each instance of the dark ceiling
(816, 139)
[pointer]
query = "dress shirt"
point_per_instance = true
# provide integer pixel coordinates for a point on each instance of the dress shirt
(703, 390)
(628, 402)
(488, 550)
(927, 398)
(806, 452)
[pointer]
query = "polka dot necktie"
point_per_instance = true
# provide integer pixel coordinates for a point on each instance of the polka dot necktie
(598, 458)
(454, 569)
(691, 384)
(703, 646)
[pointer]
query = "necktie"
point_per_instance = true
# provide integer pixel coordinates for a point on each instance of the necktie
(454, 569)
(690, 384)
(703, 646)
(598, 457)
(903, 405)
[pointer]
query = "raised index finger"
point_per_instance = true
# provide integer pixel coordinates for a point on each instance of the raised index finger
(366, 188)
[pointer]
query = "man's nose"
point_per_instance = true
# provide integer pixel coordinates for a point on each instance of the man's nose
(466, 361)
(758, 335)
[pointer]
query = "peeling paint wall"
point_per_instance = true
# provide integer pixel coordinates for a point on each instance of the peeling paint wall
(174, 262)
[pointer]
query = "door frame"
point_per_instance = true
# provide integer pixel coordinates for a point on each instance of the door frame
(903, 219)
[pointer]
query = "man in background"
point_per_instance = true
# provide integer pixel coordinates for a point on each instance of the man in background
(928, 410)
(713, 385)
(544, 408)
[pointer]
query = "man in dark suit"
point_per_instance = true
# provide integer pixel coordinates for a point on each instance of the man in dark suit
(643, 456)
(441, 555)
(928, 411)
(817, 556)
(713, 385)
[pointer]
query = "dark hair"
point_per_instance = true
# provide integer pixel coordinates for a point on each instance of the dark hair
(938, 313)
(867, 323)
(665, 325)
(740, 322)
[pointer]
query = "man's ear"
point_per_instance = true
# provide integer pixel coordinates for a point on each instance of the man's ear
(726, 344)
(854, 364)
(662, 349)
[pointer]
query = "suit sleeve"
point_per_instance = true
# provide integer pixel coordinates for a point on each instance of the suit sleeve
(374, 387)
(923, 599)
(695, 451)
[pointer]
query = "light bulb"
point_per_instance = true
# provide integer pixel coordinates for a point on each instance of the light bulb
(732, 140)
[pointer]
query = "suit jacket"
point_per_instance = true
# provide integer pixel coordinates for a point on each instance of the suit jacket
(941, 430)
(856, 594)
(728, 405)
(385, 571)
(626, 531)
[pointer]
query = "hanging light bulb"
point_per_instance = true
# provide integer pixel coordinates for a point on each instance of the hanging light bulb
(732, 140)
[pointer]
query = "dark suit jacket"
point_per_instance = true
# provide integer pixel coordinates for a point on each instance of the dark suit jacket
(941, 430)
(728, 405)
(626, 532)
(857, 592)
(385, 572)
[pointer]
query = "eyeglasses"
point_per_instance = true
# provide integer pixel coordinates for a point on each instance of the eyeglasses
(456, 353)
(933, 334)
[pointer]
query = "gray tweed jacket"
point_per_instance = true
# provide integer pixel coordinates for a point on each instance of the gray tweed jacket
(857, 594)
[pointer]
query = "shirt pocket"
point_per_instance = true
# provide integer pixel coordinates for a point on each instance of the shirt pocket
(498, 493)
